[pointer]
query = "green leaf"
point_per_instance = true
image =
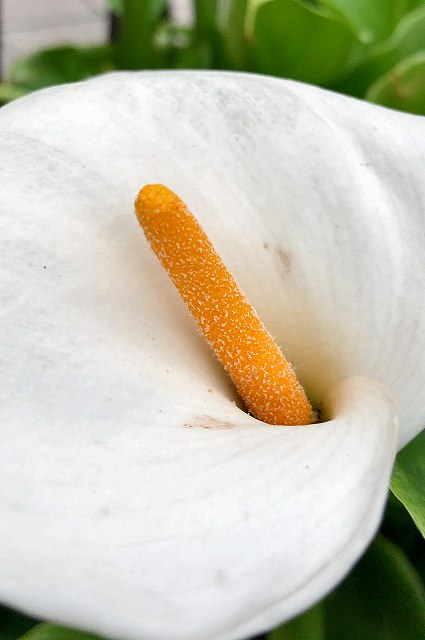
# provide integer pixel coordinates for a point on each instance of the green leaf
(46, 631)
(14, 624)
(372, 21)
(296, 41)
(62, 64)
(382, 599)
(407, 39)
(309, 625)
(408, 481)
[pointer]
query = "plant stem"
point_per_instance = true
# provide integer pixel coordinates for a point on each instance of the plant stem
(205, 14)
(136, 40)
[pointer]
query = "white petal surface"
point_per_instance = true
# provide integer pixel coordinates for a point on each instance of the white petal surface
(137, 500)
(209, 527)
(315, 201)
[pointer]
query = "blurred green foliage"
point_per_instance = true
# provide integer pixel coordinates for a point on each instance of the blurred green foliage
(371, 50)
(382, 598)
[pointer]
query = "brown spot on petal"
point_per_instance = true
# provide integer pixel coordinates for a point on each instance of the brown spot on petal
(208, 422)
(285, 260)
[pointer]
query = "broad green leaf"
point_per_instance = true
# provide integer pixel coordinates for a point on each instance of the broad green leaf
(62, 64)
(46, 631)
(297, 42)
(408, 481)
(407, 39)
(309, 625)
(14, 624)
(383, 598)
(372, 21)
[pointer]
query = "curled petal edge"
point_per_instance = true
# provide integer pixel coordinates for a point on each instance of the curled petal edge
(265, 526)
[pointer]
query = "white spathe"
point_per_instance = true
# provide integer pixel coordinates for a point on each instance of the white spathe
(137, 500)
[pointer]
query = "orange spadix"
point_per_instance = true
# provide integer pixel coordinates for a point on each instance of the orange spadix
(264, 379)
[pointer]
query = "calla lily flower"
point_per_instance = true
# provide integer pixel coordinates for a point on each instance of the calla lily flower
(138, 499)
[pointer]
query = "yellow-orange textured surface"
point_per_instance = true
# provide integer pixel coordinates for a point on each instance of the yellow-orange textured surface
(264, 379)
